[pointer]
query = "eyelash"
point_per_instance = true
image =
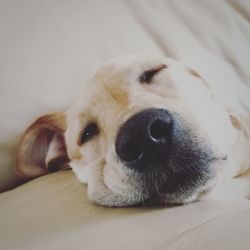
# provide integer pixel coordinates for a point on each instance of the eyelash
(88, 133)
(147, 76)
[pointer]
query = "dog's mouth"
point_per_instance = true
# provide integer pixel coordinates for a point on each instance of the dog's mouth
(169, 187)
(176, 199)
(182, 193)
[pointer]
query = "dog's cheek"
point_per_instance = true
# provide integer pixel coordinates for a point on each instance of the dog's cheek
(97, 191)
(223, 134)
(115, 179)
(80, 171)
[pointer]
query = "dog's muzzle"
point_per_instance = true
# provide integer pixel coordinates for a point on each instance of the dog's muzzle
(164, 154)
(145, 139)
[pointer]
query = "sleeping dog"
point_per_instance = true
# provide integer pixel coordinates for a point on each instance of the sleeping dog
(143, 129)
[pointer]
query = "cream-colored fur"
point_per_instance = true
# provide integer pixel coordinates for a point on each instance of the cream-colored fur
(113, 95)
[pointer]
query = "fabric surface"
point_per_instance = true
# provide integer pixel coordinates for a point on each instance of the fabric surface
(53, 212)
(48, 49)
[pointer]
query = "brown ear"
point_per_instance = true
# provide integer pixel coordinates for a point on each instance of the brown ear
(42, 148)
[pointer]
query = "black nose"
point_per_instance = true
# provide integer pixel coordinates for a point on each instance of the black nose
(145, 139)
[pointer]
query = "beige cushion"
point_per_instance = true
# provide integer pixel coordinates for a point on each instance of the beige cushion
(53, 212)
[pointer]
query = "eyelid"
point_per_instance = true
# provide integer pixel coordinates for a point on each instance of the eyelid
(147, 76)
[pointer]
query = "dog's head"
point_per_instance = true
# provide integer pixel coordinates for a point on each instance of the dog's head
(143, 128)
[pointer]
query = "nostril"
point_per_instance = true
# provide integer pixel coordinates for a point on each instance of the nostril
(145, 138)
(159, 129)
(131, 151)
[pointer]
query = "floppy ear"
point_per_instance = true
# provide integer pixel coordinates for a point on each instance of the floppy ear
(42, 148)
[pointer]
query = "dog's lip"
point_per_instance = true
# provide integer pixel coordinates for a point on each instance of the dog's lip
(164, 199)
(177, 192)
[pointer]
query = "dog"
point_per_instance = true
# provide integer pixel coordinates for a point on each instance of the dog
(144, 128)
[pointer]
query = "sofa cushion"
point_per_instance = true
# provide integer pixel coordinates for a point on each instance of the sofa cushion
(53, 212)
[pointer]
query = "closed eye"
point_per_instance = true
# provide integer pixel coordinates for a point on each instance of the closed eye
(147, 76)
(88, 133)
